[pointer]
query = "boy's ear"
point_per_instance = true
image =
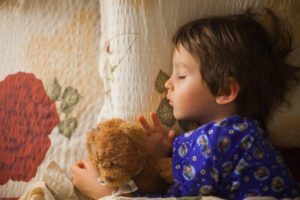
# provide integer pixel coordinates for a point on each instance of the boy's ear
(229, 94)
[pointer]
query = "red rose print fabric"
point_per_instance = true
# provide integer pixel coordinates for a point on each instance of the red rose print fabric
(27, 117)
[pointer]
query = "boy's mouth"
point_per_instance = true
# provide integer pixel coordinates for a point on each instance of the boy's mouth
(170, 102)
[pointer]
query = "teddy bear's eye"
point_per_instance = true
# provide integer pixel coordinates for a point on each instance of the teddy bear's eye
(111, 164)
(114, 163)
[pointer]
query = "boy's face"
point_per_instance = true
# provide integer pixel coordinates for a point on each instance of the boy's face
(188, 94)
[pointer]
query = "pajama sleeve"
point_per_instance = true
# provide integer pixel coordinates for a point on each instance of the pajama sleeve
(231, 159)
(193, 166)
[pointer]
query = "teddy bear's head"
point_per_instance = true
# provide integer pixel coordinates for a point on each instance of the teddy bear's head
(117, 149)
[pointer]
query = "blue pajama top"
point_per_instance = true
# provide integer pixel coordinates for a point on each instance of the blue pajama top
(232, 159)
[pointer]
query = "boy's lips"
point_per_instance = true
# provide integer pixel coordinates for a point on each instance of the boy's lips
(170, 101)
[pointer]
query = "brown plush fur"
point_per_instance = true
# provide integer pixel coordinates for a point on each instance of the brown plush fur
(117, 149)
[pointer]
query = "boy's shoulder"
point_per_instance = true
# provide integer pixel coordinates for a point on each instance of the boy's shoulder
(230, 129)
(232, 124)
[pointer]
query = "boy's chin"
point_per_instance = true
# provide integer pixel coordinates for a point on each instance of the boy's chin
(180, 117)
(176, 115)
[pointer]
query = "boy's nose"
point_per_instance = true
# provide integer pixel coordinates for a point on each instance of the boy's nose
(168, 84)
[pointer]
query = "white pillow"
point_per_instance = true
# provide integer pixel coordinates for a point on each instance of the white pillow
(285, 126)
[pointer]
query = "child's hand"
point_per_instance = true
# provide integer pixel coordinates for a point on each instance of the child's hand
(159, 142)
(84, 177)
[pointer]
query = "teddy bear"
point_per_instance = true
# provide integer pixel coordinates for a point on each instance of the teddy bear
(117, 149)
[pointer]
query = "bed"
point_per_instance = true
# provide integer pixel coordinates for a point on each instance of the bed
(67, 65)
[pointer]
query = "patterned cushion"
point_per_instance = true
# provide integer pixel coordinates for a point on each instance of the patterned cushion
(50, 89)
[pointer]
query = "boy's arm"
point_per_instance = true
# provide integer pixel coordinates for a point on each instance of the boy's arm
(84, 177)
(159, 142)
(191, 178)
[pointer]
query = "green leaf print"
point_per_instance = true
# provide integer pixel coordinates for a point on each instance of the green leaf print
(67, 127)
(69, 99)
(165, 113)
(161, 78)
(54, 90)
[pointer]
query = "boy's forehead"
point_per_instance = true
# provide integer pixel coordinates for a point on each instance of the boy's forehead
(181, 55)
(179, 52)
(178, 48)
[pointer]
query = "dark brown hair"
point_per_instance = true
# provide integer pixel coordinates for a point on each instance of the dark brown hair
(239, 47)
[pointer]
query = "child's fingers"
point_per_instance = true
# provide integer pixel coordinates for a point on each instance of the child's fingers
(88, 165)
(76, 168)
(78, 163)
(171, 136)
(81, 165)
(155, 120)
(144, 123)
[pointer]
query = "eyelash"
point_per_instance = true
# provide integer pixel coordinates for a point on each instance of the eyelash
(181, 77)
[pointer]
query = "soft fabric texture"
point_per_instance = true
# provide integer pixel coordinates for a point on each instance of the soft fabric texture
(116, 148)
(56, 47)
(51, 92)
(231, 158)
(55, 185)
(285, 124)
(38, 191)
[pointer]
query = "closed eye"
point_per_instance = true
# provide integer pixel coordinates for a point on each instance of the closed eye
(181, 77)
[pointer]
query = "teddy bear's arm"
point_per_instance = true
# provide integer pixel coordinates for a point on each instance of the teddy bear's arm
(163, 167)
